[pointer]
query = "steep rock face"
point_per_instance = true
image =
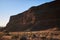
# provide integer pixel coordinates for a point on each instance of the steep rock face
(40, 17)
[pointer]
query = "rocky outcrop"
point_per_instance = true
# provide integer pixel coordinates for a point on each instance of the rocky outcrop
(40, 17)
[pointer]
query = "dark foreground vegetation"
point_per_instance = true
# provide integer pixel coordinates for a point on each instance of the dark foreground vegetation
(37, 35)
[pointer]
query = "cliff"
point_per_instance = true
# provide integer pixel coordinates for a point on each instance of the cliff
(36, 18)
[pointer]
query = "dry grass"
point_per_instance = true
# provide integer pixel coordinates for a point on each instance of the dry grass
(40, 35)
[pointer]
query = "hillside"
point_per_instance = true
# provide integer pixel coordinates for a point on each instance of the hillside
(42, 17)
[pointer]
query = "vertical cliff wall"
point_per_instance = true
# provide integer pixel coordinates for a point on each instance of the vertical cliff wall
(40, 17)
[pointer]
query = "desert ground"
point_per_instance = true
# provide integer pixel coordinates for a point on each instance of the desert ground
(32, 35)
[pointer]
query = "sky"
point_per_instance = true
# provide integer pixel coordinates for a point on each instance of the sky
(13, 7)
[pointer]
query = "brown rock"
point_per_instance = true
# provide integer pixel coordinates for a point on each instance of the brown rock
(40, 17)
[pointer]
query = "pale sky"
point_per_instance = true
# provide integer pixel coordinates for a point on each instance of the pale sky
(13, 7)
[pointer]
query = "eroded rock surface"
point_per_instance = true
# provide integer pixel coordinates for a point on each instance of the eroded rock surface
(40, 17)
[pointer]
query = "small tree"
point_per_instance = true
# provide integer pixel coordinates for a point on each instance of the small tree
(6, 32)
